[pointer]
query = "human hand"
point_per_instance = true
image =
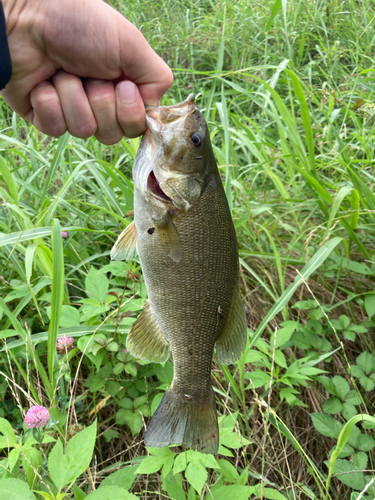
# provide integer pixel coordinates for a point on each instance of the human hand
(81, 66)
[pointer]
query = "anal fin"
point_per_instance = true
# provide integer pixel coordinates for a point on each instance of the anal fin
(146, 340)
(232, 340)
(125, 247)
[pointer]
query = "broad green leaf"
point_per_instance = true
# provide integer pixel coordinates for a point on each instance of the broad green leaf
(7, 430)
(15, 489)
(360, 459)
(332, 405)
(13, 458)
(180, 463)
(345, 472)
(196, 475)
(354, 398)
(366, 362)
(97, 284)
(357, 371)
(234, 492)
(79, 494)
(66, 467)
(258, 378)
(32, 462)
(284, 334)
(132, 419)
(70, 317)
(367, 383)
(370, 305)
(228, 471)
(344, 437)
(123, 478)
(326, 425)
(173, 488)
(150, 465)
(111, 492)
(348, 410)
(341, 386)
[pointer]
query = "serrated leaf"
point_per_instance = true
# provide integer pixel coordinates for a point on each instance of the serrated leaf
(150, 465)
(196, 475)
(258, 378)
(346, 473)
(139, 401)
(348, 410)
(284, 334)
(367, 383)
(342, 387)
(228, 471)
(328, 384)
(349, 335)
(234, 492)
(123, 478)
(360, 459)
(365, 442)
(126, 403)
(366, 362)
(353, 398)
(332, 406)
(345, 321)
(370, 305)
(110, 492)
(132, 419)
(180, 463)
(326, 425)
(357, 371)
(346, 451)
(206, 460)
(131, 369)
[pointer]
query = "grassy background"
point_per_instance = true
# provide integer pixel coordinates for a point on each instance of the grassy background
(289, 102)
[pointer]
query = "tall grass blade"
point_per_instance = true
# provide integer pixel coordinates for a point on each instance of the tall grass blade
(313, 264)
(57, 297)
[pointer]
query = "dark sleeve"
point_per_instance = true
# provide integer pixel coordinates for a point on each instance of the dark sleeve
(5, 62)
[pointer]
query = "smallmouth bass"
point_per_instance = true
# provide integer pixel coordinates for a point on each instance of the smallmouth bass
(184, 234)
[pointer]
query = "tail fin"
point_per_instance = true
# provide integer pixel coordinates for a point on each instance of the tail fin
(183, 419)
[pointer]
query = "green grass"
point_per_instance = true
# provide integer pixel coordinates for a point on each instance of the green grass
(289, 102)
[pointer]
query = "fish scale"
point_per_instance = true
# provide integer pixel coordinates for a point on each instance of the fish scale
(188, 251)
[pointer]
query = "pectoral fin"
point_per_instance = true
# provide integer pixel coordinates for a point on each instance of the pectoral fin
(146, 340)
(167, 232)
(232, 340)
(125, 247)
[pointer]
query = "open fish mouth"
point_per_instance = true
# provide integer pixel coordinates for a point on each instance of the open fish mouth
(159, 120)
(153, 186)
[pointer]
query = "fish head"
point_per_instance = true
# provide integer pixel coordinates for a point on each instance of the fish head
(175, 156)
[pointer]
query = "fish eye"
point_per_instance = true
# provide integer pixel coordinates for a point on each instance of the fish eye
(196, 140)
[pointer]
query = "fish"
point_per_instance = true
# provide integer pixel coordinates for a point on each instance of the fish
(185, 238)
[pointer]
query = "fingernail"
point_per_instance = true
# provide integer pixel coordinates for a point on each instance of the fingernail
(127, 92)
